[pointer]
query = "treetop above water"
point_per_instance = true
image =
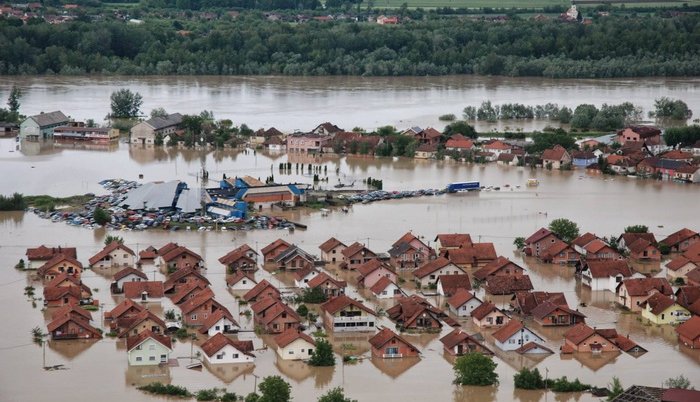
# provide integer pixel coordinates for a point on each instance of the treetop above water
(614, 46)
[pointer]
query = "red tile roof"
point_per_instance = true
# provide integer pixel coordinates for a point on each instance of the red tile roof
(458, 336)
(687, 295)
(690, 329)
(180, 274)
(484, 309)
(384, 336)
(658, 303)
(630, 238)
(372, 265)
(115, 245)
(134, 290)
(554, 154)
(579, 333)
(459, 143)
(639, 245)
(218, 341)
(643, 131)
(460, 297)
(494, 266)
(55, 260)
(338, 303)
(238, 276)
(275, 244)
(506, 331)
(190, 290)
(134, 341)
(300, 274)
(532, 345)
(538, 235)
(43, 253)
(122, 308)
(72, 310)
(679, 236)
(497, 145)
(60, 321)
(148, 254)
(236, 254)
(642, 286)
(555, 249)
(58, 292)
(330, 244)
(134, 321)
(609, 268)
(262, 286)
(129, 271)
(201, 298)
(382, 284)
(355, 248)
(547, 307)
(431, 266)
(584, 239)
(454, 240)
(452, 283)
(472, 254)
(178, 251)
(322, 278)
(291, 335)
(59, 279)
(507, 284)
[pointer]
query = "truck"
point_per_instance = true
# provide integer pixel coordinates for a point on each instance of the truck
(463, 186)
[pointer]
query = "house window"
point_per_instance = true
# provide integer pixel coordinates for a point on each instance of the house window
(235, 355)
(151, 358)
(220, 356)
(139, 358)
(216, 328)
(151, 347)
(291, 352)
(193, 317)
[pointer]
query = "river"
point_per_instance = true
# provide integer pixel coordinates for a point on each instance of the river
(300, 103)
(99, 370)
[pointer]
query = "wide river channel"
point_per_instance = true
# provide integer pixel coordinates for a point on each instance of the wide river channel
(99, 370)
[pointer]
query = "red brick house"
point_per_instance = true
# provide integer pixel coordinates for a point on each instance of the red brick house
(331, 250)
(65, 280)
(689, 332)
(681, 240)
(261, 290)
(526, 301)
(38, 256)
(190, 291)
(387, 345)
(539, 241)
(631, 293)
(242, 258)
(448, 285)
(556, 157)
(330, 287)
(459, 143)
(643, 134)
(560, 253)
(60, 264)
(294, 258)
(355, 255)
(115, 254)
(501, 266)
(182, 278)
(584, 339)
(126, 309)
(550, 314)
(643, 250)
(458, 342)
(372, 271)
(59, 296)
(507, 284)
(175, 257)
(272, 250)
(475, 255)
(72, 327)
(197, 310)
(277, 317)
(451, 241)
(488, 315)
(143, 321)
(428, 274)
(410, 250)
(416, 313)
(144, 291)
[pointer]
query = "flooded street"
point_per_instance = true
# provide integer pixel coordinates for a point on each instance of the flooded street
(300, 103)
(99, 370)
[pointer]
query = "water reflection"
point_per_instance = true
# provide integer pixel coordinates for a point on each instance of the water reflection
(394, 367)
(71, 349)
(592, 361)
(295, 370)
(136, 376)
(227, 373)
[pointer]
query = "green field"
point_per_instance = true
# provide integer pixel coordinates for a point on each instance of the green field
(515, 3)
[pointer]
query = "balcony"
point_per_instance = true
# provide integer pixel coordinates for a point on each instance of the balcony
(392, 356)
(60, 336)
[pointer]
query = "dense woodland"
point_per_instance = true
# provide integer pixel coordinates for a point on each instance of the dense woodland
(611, 47)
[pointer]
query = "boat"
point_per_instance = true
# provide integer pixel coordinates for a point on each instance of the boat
(533, 182)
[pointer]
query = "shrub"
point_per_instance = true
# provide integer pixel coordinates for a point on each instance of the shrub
(526, 379)
(165, 389)
(207, 394)
(564, 385)
(322, 354)
(475, 369)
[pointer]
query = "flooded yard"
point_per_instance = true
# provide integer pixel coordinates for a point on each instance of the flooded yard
(99, 370)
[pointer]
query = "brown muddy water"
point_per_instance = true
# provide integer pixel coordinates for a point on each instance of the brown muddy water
(99, 370)
(300, 103)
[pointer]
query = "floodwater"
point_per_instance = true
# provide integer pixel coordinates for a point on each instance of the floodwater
(99, 370)
(300, 103)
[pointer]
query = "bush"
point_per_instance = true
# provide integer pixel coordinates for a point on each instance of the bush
(207, 394)
(564, 385)
(229, 397)
(302, 310)
(526, 379)
(165, 389)
(323, 354)
(313, 296)
(181, 333)
(475, 369)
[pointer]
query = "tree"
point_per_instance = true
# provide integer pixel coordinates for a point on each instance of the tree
(323, 354)
(475, 369)
(125, 104)
(302, 310)
(111, 239)
(335, 395)
(637, 229)
(583, 116)
(564, 229)
(158, 112)
(101, 216)
(678, 382)
(519, 243)
(274, 389)
(668, 108)
(614, 389)
(460, 127)
(313, 296)
(13, 99)
(252, 397)
(526, 379)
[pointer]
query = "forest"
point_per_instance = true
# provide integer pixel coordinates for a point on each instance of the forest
(616, 46)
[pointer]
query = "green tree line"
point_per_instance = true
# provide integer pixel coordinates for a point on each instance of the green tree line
(250, 44)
